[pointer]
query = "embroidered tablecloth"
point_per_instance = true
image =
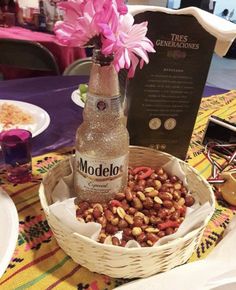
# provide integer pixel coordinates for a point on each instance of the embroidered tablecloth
(39, 263)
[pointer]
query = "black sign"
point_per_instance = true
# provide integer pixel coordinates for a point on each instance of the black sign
(164, 97)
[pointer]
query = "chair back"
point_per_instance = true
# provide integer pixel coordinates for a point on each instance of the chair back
(27, 55)
(79, 67)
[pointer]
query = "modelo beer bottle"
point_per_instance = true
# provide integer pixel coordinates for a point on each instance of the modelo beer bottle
(102, 140)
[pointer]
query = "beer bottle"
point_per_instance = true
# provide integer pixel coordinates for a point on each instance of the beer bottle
(102, 140)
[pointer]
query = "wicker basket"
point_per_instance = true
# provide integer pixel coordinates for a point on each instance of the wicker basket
(127, 262)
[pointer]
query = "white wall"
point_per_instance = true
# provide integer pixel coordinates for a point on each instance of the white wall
(220, 6)
(28, 3)
(225, 4)
(175, 4)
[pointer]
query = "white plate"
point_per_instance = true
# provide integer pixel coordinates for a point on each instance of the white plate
(9, 228)
(40, 116)
(76, 98)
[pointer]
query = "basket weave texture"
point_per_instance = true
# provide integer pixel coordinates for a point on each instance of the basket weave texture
(122, 262)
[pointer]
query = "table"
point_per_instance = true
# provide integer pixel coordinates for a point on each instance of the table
(64, 55)
(38, 262)
(54, 95)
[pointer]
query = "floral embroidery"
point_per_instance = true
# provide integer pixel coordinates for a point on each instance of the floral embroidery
(43, 165)
(34, 231)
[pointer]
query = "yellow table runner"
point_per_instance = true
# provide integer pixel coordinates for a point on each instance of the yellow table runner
(39, 263)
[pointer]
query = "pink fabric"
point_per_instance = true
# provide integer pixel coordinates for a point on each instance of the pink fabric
(64, 55)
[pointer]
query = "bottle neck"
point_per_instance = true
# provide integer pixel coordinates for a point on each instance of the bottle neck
(103, 76)
(103, 106)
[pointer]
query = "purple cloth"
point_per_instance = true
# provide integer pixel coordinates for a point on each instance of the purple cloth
(209, 91)
(53, 94)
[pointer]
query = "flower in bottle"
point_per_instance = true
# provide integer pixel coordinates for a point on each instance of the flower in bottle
(107, 25)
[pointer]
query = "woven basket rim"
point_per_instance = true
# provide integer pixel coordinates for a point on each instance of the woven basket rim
(134, 249)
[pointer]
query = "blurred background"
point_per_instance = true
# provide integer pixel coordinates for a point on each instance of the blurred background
(41, 15)
(222, 72)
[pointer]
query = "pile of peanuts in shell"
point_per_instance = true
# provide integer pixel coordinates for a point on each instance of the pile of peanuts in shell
(153, 205)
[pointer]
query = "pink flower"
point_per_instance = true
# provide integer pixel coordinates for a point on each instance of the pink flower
(121, 7)
(78, 26)
(106, 25)
(83, 18)
(127, 43)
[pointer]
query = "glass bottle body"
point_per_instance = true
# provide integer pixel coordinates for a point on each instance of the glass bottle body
(102, 140)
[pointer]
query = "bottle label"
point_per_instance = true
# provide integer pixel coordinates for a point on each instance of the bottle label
(102, 176)
(106, 105)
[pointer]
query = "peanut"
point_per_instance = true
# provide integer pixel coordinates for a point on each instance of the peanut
(177, 186)
(152, 193)
(97, 213)
(115, 221)
(138, 211)
(151, 230)
(189, 200)
(148, 203)
(158, 200)
(120, 196)
(137, 204)
(157, 184)
(138, 221)
(149, 189)
(115, 241)
(129, 219)
(121, 212)
(109, 215)
(141, 195)
(128, 194)
(136, 231)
